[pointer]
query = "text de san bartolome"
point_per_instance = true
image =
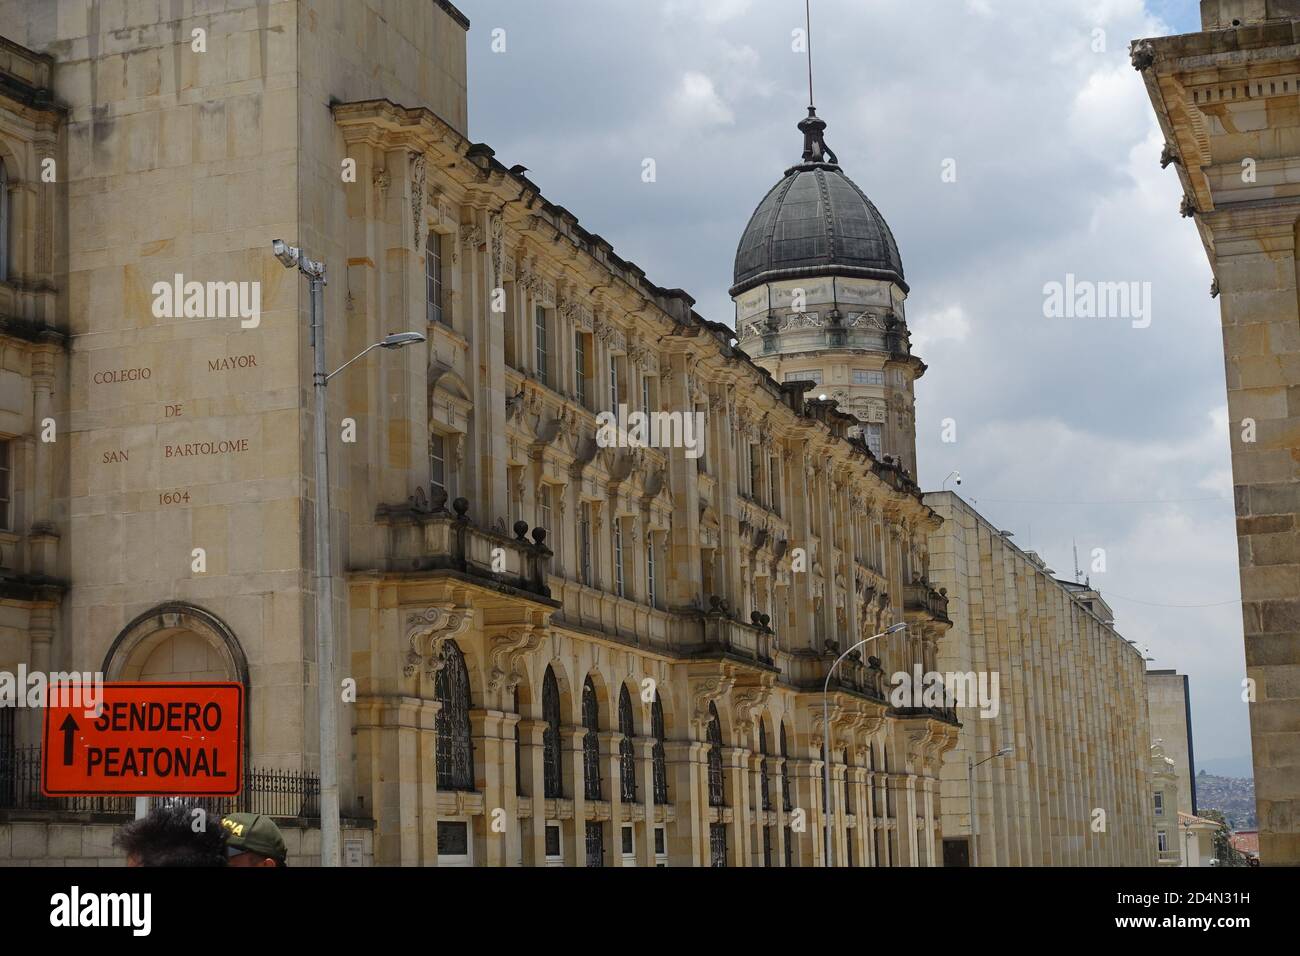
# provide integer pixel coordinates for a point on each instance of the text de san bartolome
(189, 449)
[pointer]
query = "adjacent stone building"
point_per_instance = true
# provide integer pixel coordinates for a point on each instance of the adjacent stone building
(1169, 704)
(566, 650)
(1072, 708)
(1228, 102)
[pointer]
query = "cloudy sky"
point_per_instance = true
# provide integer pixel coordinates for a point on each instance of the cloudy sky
(1070, 429)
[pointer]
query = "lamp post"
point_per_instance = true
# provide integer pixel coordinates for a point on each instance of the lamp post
(970, 796)
(826, 731)
(292, 257)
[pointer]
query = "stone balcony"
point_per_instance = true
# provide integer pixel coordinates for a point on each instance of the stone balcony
(923, 604)
(424, 537)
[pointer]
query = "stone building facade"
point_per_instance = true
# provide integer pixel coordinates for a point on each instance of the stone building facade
(1169, 704)
(1228, 102)
(565, 650)
(1072, 708)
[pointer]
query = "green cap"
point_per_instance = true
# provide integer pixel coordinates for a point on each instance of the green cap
(254, 833)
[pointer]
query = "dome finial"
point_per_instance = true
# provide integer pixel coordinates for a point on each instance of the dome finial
(815, 149)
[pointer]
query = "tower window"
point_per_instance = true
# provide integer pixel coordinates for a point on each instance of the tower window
(874, 434)
(438, 461)
(812, 375)
(433, 279)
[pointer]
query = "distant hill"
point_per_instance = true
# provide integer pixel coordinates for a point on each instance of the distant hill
(1235, 796)
(1226, 766)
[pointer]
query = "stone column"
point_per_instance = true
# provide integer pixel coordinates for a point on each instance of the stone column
(645, 851)
(42, 544)
(398, 744)
(489, 779)
(29, 724)
(754, 832)
(806, 777)
(1255, 264)
(688, 838)
(774, 765)
(532, 738)
(571, 747)
(735, 763)
(609, 744)
(511, 785)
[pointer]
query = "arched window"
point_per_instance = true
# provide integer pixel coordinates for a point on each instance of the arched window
(4, 222)
(787, 800)
(626, 752)
(763, 788)
(590, 741)
(553, 785)
(715, 757)
(455, 751)
(658, 763)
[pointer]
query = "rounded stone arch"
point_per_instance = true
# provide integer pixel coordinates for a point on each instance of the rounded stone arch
(444, 379)
(668, 706)
(478, 691)
(767, 726)
(137, 653)
(157, 644)
(570, 697)
(784, 725)
(606, 699)
(14, 167)
(726, 719)
(640, 710)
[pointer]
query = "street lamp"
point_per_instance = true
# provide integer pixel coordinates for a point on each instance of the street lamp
(970, 797)
(826, 729)
(292, 257)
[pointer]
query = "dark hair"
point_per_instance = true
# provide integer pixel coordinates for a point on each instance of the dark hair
(167, 837)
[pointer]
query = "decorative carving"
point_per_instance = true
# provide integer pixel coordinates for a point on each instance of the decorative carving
(747, 703)
(426, 633)
(418, 178)
(707, 690)
(496, 244)
(1143, 55)
(471, 235)
(505, 652)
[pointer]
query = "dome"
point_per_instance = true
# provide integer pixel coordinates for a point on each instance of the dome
(815, 222)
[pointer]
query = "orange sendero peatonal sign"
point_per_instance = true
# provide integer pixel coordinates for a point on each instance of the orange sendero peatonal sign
(183, 739)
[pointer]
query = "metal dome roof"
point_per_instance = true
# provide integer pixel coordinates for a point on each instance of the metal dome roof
(815, 222)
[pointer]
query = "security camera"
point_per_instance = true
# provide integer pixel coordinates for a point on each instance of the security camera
(959, 481)
(287, 254)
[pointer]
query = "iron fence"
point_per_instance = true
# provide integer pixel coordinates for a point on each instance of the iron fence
(287, 794)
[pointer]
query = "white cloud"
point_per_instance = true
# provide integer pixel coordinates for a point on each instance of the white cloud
(947, 324)
(697, 102)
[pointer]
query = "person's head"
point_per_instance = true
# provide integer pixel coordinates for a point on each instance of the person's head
(253, 839)
(173, 835)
